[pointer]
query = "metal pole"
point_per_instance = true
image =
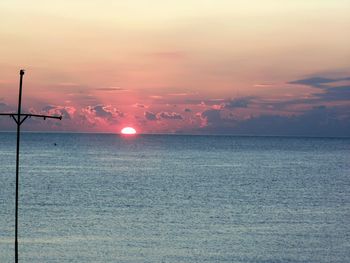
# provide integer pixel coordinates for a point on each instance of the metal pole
(17, 118)
(17, 162)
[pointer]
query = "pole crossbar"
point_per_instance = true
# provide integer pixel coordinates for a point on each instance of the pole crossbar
(27, 115)
(17, 118)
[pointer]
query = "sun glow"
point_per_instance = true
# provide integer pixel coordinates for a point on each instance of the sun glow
(128, 130)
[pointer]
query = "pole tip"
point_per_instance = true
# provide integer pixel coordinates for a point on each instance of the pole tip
(21, 72)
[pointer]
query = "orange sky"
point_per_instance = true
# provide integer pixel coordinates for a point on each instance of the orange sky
(164, 66)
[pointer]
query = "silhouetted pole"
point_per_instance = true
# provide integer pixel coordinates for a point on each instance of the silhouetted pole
(21, 73)
(19, 121)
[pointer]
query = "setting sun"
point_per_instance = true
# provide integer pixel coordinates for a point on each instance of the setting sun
(128, 130)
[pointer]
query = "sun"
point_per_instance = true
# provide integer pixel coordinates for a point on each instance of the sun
(128, 130)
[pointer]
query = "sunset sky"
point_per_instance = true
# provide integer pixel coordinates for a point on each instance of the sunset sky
(272, 67)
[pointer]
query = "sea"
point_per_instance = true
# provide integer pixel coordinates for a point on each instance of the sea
(175, 198)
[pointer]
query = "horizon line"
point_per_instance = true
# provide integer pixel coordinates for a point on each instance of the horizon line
(186, 134)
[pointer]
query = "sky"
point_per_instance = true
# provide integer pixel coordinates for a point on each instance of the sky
(252, 67)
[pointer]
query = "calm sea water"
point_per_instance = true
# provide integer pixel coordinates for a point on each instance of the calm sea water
(158, 198)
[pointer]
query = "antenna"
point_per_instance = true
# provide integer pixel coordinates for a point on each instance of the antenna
(17, 117)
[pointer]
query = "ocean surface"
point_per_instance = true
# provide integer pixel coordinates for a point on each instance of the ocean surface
(162, 198)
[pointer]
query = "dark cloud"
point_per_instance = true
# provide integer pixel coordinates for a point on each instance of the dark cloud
(4, 107)
(317, 82)
(208, 102)
(237, 103)
(65, 111)
(339, 93)
(162, 115)
(319, 121)
(150, 116)
(7, 108)
(105, 112)
(48, 108)
(35, 124)
(6, 122)
(328, 93)
(314, 82)
(170, 115)
(101, 112)
(111, 89)
(229, 104)
(212, 117)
